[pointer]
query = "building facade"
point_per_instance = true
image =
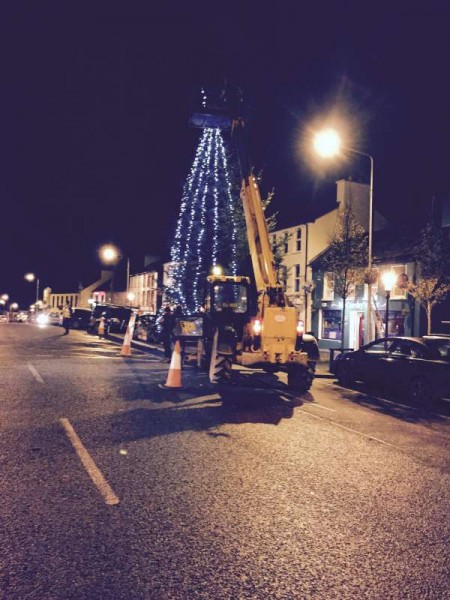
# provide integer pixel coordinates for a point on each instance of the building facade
(145, 292)
(306, 241)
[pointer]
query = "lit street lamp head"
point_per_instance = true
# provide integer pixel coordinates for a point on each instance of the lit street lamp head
(327, 143)
(30, 276)
(109, 253)
(388, 279)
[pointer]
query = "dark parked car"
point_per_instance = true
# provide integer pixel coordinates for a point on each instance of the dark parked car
(415, 367)
(148, 329)
(116, 318)
(81, 318)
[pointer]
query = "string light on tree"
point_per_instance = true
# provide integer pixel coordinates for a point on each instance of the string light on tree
(205, 232)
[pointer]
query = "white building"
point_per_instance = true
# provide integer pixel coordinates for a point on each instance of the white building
(307, 240)
(96, 291)
(145, 292)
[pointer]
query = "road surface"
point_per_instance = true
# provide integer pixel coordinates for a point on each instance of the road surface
(113, 488)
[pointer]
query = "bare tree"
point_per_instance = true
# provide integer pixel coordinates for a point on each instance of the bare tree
(346, 258)
(432, 257)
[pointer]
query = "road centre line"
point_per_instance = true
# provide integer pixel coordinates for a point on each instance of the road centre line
(369, 437)
(88, 462)
(35, 373)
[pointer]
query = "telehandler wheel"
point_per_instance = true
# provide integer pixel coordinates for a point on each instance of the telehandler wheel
(221, 362)
(222, 369)
(300, 378)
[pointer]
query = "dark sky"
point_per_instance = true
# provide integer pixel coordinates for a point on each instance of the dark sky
(94, 136)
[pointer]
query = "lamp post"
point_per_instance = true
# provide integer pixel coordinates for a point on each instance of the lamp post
(388, 280)
(111, 254)
(32, 277)
(327, 144)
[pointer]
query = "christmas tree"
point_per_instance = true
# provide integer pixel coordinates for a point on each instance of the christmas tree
(205, 235)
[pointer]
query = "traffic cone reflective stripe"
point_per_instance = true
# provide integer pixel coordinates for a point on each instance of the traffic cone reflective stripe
(174, 374)
(101, 327)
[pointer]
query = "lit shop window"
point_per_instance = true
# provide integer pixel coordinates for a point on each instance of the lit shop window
(331, 325)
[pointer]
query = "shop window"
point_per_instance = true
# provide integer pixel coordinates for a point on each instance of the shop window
(331, 325)
(396, 323)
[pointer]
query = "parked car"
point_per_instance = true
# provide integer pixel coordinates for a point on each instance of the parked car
(55, 318)
(417, 368)
(22, 316)
(3, 318)
(148, 329)
(116, 318)
(81, 318)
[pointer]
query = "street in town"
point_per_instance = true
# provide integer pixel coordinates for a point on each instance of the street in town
(115, 488)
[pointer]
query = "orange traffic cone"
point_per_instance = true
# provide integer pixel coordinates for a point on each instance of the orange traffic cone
(101, 327)
(126, 348)
(174, 374)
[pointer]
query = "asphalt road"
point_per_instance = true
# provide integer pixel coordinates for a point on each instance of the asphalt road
(113, 488)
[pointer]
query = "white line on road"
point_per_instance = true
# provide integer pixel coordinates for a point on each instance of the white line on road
(93, 471)
(35, 373)
(370, 437)
(320, 406)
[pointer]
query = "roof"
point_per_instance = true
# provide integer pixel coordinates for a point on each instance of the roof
(387, 245)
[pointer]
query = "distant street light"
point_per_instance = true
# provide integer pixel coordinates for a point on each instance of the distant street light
(388, 280)
(217, 271)
(5, 297)
(130, 297)
(13, 306)
(110, 254)
(327, 144)
(32, 277)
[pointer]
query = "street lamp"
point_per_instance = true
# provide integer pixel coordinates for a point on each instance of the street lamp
(388, 280)
(110, 254)
(130, 297)
(4, 297)
(327, 144)
(32, 277)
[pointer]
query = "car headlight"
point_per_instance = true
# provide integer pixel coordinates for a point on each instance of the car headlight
(42, 319)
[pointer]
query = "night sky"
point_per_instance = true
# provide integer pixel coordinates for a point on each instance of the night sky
(95, 143)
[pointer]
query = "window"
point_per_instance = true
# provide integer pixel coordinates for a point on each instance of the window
(377, 347)
(331, 324)
(286, 244)
(274, 243)
(407, 348)
(298, 240)
(282, 275)
(297, 278)
(328, 288)
(398, 292)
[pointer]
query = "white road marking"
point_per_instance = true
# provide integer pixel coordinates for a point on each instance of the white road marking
(370, 437)
(93, 471)
(320, 406)
(203, 398)
(35, 373)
